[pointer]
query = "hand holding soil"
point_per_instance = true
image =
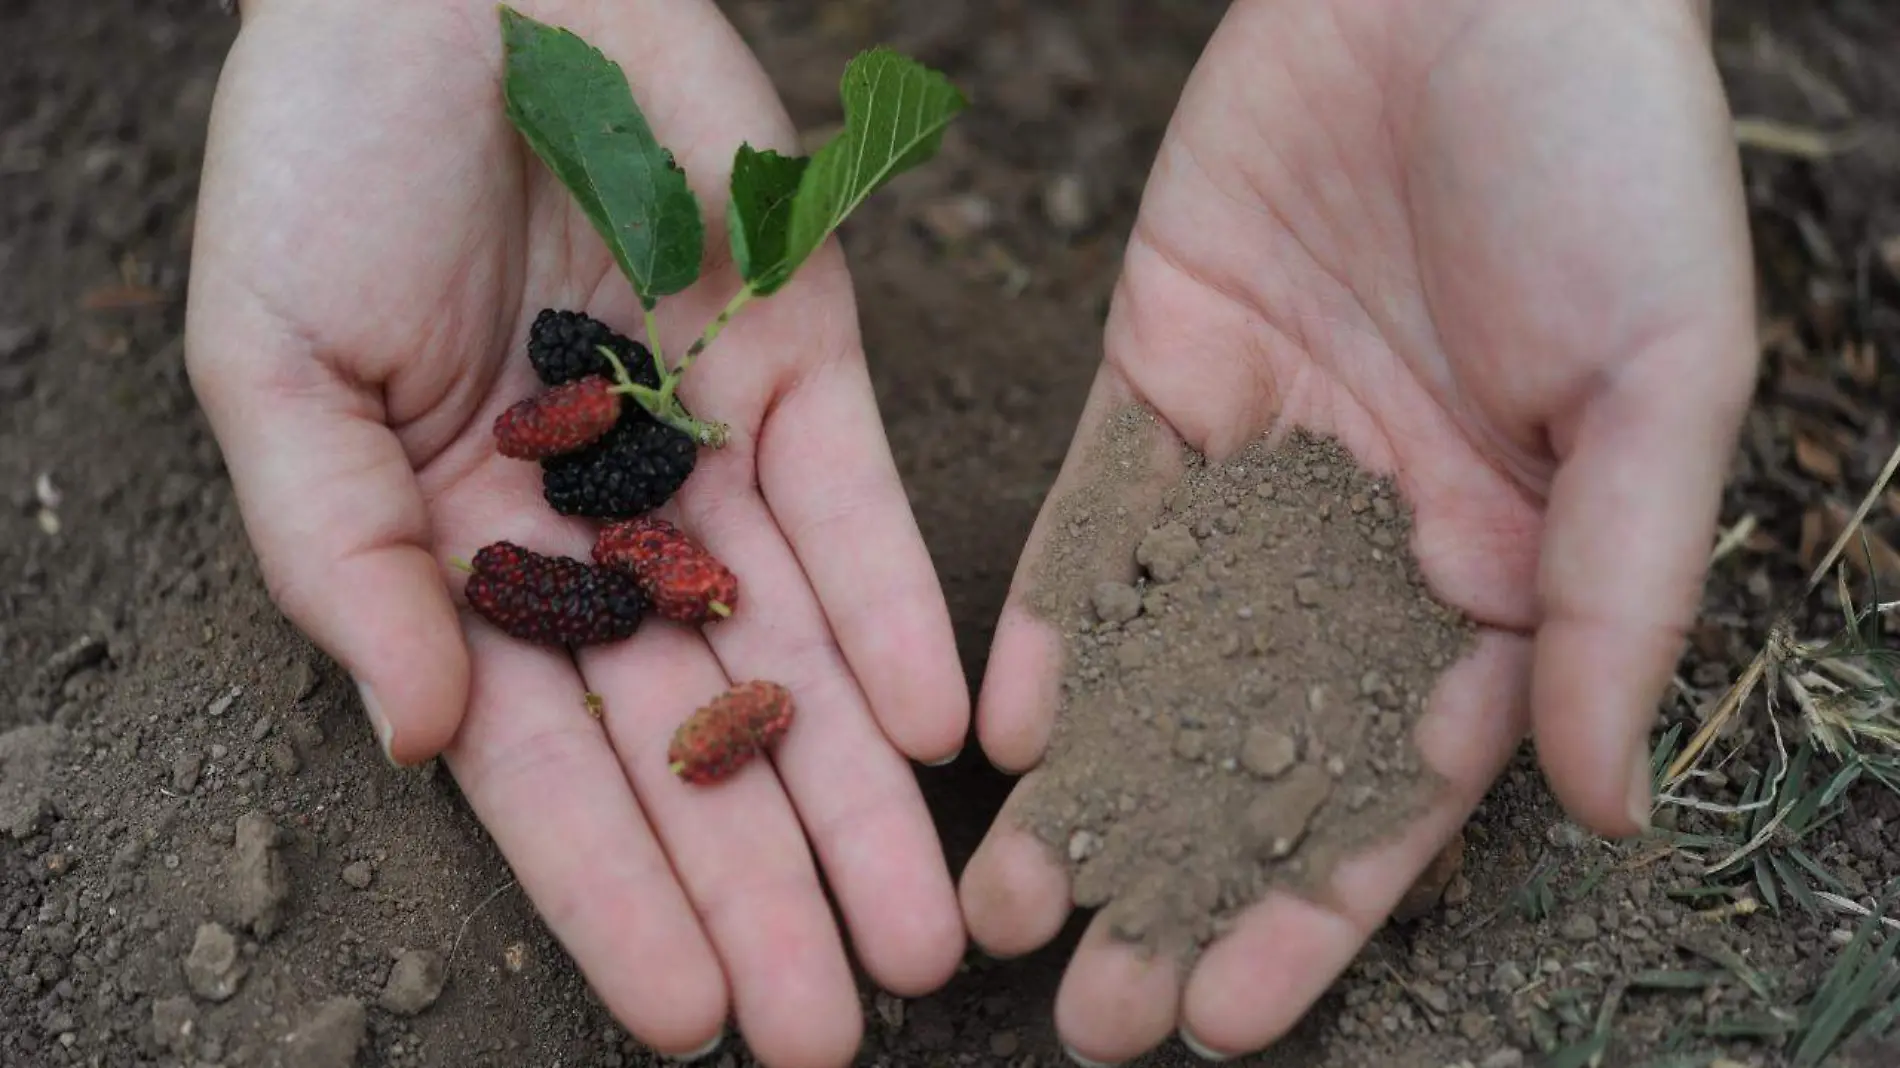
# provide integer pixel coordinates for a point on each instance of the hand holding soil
(1498, 259)
(374, 247)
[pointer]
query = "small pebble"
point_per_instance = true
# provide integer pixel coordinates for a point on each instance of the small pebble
(1190, 744)
(1268, 753)
(1433, 996)
(185, 771)
(1065, 201)
(955, 219)
(1306, 591)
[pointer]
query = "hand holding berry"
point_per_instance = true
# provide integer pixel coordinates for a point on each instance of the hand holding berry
(375, 248)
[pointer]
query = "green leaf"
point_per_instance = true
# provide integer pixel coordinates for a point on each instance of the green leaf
(1579, 1055)
(895, 111)
(575, 109)
(1659, 979)
(759, 213)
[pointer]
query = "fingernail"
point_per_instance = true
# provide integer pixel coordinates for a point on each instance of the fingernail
(1639, 795)
(1084, 1061)
(702, 1052)
(1196, 1047)
(385, 734)
(951, 759)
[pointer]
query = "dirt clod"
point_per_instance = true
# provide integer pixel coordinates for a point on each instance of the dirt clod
(174, 1023)
(359, 874)
(1259, 706)
(414, 982)
(185, 771)
(329, 1036)
(27, 756)
(214, 968)
(1167, 551)
(1269, 752)
(1278, 819)
(260, 881)
(1116, 602)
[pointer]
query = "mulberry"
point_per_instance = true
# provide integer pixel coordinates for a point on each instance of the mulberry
(560, 420)
(553, 600)
(681, 579)
(724, 735)
(635, 468)
(565, 346)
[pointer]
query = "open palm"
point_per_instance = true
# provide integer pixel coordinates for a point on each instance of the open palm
(1498, 249)
(374, 241)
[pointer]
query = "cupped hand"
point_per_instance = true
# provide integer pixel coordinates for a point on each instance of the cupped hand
(374, 240)
(1498, 248)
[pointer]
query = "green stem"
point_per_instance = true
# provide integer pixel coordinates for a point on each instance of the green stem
(739, 300)
(662, 405)
(653, 345)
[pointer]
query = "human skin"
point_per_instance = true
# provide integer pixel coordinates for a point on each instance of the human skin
(1499, 249)
(373, 240)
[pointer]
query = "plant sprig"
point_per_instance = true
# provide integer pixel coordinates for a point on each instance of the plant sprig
(576, 110)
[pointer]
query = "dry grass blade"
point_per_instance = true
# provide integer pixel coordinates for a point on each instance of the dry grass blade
(476, 911)
(1853, 908)
(1778, 635)
(1857, 990)
(1734, 537)
(1788, 139)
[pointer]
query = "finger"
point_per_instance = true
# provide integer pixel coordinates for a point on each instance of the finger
(1631, 515)
(826, 471)
(857, 798)
(1115, 1002)
(1254, 985)
(1016, 708)
(330, 500)
(539, 774)
(739, 851)
(1015, 897)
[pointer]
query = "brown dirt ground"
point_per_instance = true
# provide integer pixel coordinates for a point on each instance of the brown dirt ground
(172, 754)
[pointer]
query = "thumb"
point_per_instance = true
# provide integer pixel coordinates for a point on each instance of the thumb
(331, 504)
(1628, 526)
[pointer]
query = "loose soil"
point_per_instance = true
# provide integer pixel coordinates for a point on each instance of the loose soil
(203, 860)
(1241, 716)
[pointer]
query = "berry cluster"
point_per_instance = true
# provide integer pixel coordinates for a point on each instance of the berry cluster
(614, 444)
(608, 429)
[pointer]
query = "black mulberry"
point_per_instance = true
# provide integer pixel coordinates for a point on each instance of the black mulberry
(635, 469)
(553, 600)
(564, 346)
